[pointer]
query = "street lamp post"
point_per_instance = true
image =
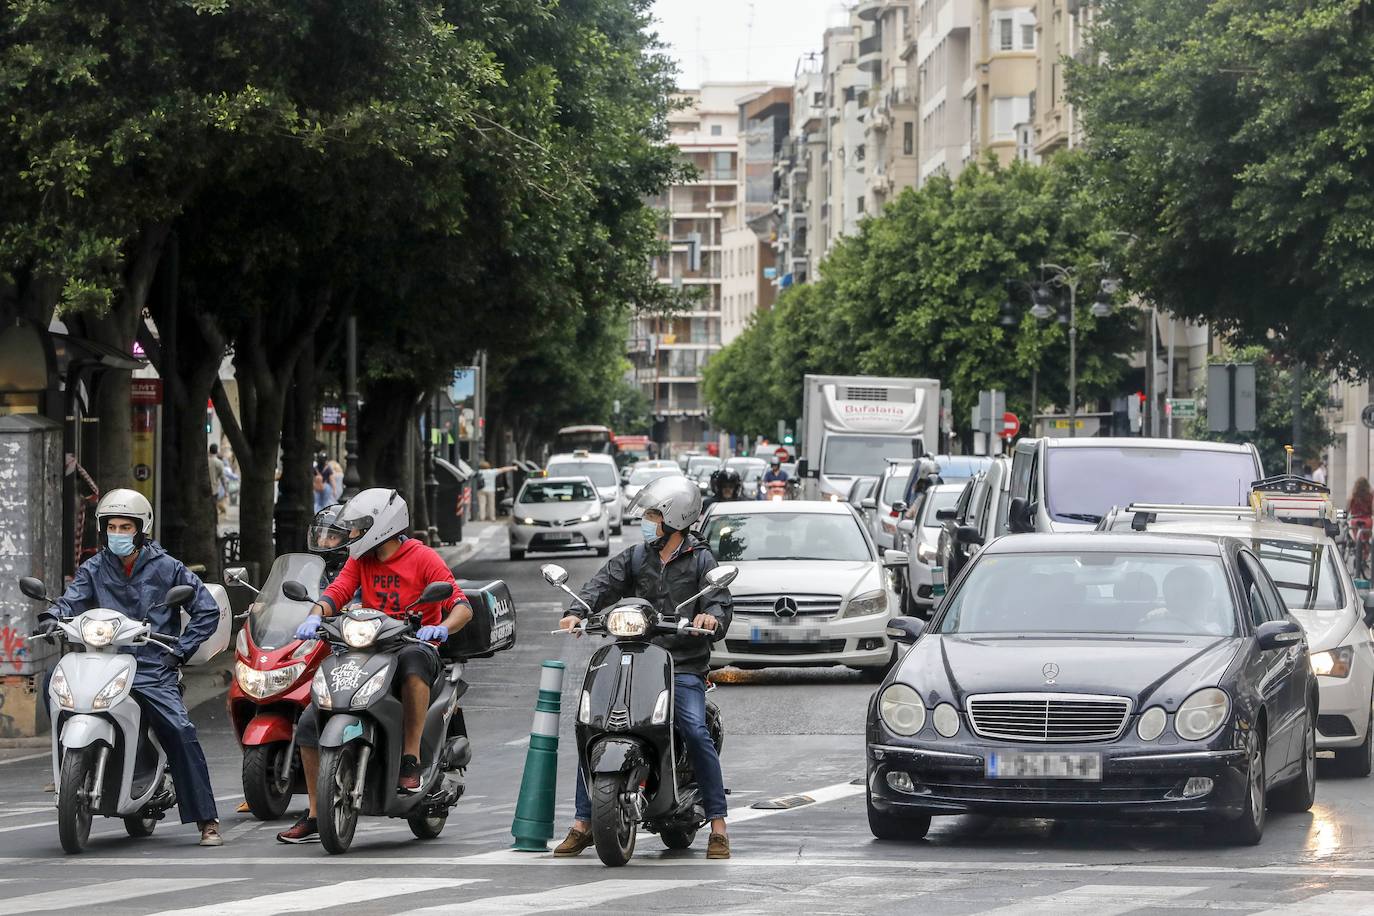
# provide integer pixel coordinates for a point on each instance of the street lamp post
(352, 479)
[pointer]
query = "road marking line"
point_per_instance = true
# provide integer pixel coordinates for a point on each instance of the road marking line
(310, 899)
(229, 797)
(574, 897)
(839, 790)
(1332, 903)
(1097, 899)
(519, 741)
(46, 753)
(103, 892)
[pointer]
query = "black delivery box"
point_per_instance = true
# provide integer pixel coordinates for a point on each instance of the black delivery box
(492, 628)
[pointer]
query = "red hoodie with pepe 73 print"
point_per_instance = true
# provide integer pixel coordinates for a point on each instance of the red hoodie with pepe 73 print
(394, 585)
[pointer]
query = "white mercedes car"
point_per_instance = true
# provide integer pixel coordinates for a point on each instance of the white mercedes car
(812, 590)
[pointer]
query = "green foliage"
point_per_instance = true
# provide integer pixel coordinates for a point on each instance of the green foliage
(1274, 392)
(918, 292)
(1233, 138)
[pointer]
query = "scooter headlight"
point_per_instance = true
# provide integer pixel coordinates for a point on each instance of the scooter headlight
(98, 633)
(111, 691)
(360, 633)
(365, 693)
(261, 684)
(58, 687)
(626, 622)
(320, 688)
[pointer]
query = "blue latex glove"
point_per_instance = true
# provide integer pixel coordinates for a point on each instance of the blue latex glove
(308, 627)
(432, 634)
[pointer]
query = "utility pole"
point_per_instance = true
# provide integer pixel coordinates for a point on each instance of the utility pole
(352, 479)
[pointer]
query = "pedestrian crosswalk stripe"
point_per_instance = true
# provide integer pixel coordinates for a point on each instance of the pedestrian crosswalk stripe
(307, 900)
(1096, 899)
(103, 892)
(574, 897)
(1332, 903)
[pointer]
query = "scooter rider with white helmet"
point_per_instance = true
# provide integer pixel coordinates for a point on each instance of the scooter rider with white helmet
(667, 569)
(390, 571)
(132, 575)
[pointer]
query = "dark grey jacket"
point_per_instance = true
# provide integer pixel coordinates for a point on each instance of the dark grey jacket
(637, 572)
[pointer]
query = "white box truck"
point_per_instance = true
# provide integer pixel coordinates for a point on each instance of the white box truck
(852, 424)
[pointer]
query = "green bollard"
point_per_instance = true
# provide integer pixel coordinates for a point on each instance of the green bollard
(533, 824)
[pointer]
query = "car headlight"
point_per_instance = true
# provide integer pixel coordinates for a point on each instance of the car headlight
(926, 553)
(98, 633)
(111, 691)
(366, 692)
(1333, 662)
(527, 521)
(1202, 714)
(59, 688)
(360, 633)
(874, 602)
(946, 720)
(590, 516)
(901, 710)
(320, 688)
(626, 622)
(1152, 723)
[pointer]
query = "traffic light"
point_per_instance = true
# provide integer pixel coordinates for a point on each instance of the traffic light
(787, 438)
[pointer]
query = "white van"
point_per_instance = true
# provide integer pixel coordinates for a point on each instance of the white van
(1070, 484)
(601, 470)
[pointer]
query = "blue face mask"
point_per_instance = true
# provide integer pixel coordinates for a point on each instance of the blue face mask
(121, 545)
(649, 530)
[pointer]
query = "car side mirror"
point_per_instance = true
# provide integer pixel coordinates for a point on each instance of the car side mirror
(899, 507)
(895, 558)
(295, 591)
(906, 526)
(905, 630)
(945, 515)
(968, 534)
(507, 503)
(1019, 516)
(868, 502)
(1369, 610)
(178, 595)
(804, 468)
(1278, 634)
(554, 574)
(33, 588)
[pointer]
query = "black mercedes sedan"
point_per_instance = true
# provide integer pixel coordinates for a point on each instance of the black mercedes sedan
(1098, 675)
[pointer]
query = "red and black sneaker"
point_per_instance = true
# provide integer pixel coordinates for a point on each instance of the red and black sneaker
(408, 783)
(305, 830)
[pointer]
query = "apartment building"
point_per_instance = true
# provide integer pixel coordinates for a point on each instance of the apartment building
(1061, 26)
(798, 196)
(842, 180)
(890, 160)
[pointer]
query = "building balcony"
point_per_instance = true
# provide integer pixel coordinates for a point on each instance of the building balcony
(871, 54)
(869, 10)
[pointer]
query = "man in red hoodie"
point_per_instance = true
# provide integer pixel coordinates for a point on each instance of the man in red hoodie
(390, 571)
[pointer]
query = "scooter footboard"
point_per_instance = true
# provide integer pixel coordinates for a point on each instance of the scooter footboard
(343, 728)
(617, 755)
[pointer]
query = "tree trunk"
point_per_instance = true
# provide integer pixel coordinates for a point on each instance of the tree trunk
(296, 493)
(383, 430)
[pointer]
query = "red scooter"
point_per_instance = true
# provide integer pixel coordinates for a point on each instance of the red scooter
(271, 688)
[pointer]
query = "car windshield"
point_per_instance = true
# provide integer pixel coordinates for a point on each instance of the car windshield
(1305, 573)
(863, 456)
(697, 462)
(1092, 592)
(640, 476)
(601, 473)
(935, 501)
(786, 536)
(750, 469)
(1084, 483)
(273, 617)
(954, 468)
(565, 491)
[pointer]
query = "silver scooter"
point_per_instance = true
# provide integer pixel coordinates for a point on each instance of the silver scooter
(105, 758)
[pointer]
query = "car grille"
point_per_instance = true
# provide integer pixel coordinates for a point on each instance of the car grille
(824, 646)
(808, 606)
(557, 523)
(973, 787)
(1051, 718)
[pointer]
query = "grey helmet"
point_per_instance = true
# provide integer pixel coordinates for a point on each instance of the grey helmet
(676, 498)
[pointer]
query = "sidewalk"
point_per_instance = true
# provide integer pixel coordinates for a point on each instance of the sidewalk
(477, 536)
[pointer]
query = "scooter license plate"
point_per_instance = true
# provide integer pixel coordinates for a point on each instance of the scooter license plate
(1014, 765)
(772, 635)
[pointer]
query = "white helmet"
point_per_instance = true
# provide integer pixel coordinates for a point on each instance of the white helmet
(124, 503)
(373, 516)
(675, 497)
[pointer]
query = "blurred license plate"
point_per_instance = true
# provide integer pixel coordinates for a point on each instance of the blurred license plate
(1045, 766)
(782, 634)
(558, 536)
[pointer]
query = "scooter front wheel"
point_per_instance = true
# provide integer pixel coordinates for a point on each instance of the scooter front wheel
(267, 780)
(338, 814)
(613, 825)
(75, 786)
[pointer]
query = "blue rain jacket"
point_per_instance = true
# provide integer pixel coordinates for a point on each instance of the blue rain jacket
(101, 582)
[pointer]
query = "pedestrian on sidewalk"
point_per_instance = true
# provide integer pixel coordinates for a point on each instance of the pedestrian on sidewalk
(323, 481)
(217, 489)
(486, 493)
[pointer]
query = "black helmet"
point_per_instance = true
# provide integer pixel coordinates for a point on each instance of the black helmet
(723, 476)
(329, 536)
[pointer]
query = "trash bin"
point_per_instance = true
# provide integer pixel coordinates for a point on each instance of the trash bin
(453, 482)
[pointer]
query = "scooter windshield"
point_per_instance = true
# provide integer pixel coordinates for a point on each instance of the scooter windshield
(273, 617)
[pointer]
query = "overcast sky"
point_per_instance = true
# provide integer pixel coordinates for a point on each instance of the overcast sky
(712, 39)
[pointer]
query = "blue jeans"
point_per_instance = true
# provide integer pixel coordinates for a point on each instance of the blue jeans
(689, 716)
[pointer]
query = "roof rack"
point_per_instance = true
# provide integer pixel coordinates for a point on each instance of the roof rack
(1143, 514)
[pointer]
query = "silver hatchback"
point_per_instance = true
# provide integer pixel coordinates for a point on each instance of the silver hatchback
(559, 513)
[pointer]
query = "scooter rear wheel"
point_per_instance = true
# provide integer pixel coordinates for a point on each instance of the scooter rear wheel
(427, 827)
(137, 826)
(263, 787)
(73, 800)
(678, 839)
(338, 815)
(613, 826)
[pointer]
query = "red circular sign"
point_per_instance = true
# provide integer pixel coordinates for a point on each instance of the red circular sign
(1011, 425)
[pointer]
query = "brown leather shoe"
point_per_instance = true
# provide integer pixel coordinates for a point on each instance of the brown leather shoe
(718, 847)
(576, 841)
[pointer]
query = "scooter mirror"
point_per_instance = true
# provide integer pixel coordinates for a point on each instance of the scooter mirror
(178, 595)
(33, 588)
(235, 575)
(295, 591)
(554, 574)
(722, 576)
(436, 591)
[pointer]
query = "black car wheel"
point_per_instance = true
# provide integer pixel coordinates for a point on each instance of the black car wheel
(1358, 761)
(517, 554)
(897, 828)
(1248, 829)
(1297, 796)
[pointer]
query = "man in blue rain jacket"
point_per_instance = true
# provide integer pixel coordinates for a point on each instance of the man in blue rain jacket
(132, 575)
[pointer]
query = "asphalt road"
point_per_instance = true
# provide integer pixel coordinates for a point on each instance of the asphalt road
(788, 733)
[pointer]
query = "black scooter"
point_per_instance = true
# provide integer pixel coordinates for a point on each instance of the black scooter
(636, 766)
(361, 726)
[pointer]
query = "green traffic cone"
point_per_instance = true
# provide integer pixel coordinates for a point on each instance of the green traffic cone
(533, 824)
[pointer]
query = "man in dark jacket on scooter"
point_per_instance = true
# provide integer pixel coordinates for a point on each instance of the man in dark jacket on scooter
(667, 569)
